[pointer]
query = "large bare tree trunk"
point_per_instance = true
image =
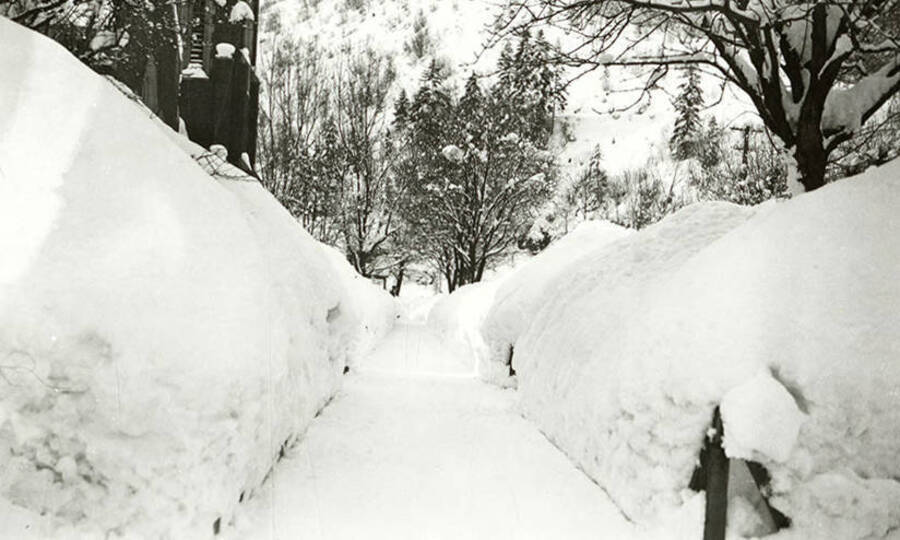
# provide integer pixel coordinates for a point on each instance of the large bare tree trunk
(811, 159)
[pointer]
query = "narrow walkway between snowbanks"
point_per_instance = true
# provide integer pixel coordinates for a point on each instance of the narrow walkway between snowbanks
(413, 349)
(408, 455)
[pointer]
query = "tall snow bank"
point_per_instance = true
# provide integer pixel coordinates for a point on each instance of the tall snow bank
(162, 334)
(789, 322)
(372, 309)
(531, 285)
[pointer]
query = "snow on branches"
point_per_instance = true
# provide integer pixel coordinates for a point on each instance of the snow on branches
(815, 71)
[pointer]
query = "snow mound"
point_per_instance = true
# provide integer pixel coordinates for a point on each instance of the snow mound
(241, 11)
(761, 416)
(457, 319)
(162, 333)
(624, 369)
(532, 284)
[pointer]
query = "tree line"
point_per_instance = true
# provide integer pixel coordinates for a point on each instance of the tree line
(450, 177)
(456, 176)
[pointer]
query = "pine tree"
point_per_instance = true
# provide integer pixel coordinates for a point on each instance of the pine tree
(431, 108)
(401, 110)
(531, 88)
(685, 141)
(471, 112)
(505, 66)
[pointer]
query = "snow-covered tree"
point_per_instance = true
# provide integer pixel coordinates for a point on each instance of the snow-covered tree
(815, 71)
(421, 42)
(588, 191)
(739, 165)
(401, 110)
(647, 198)
(474, 185)
(688, 130)
(326, 151)
(530, 86)
(297, 140)
(364, 170)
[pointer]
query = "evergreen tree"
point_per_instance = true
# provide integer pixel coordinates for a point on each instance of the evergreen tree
(401, 110)
(505, 66)
(686, 138)
(472, 117)
(431, 106)
(531, 88)
(474, 186)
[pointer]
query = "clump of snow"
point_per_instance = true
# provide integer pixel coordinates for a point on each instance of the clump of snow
(760, 417)
(162, 333)
(194, 71)
(531, 285)
(240, 12)
(623, 369)
(224, 50)
(219, 151)
(103, 39)
(453, 153)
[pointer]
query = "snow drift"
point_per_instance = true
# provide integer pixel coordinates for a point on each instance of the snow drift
(531, 285)
(162, 334)
(457, 319)
(789, 322)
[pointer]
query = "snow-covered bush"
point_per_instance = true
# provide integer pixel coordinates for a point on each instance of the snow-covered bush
(162, 333)
(788, 322)
(531, 285)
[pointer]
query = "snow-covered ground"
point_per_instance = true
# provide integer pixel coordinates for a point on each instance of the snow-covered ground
(414, 349)
(166, 336)
(403, 455)
(784, 315)
(162, 333)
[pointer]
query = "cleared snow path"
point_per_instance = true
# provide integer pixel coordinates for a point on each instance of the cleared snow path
(401, 454)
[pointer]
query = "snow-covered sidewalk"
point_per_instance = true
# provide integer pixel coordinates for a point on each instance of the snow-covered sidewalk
(404, 454)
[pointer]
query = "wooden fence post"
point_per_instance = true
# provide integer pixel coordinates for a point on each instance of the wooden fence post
(712, 476)
(716, 482)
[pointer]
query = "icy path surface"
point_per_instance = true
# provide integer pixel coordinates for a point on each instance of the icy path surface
(414, 447)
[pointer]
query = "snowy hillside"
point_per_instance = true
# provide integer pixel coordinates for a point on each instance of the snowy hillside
(457, 32)
(162, 334)
(452, 31)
